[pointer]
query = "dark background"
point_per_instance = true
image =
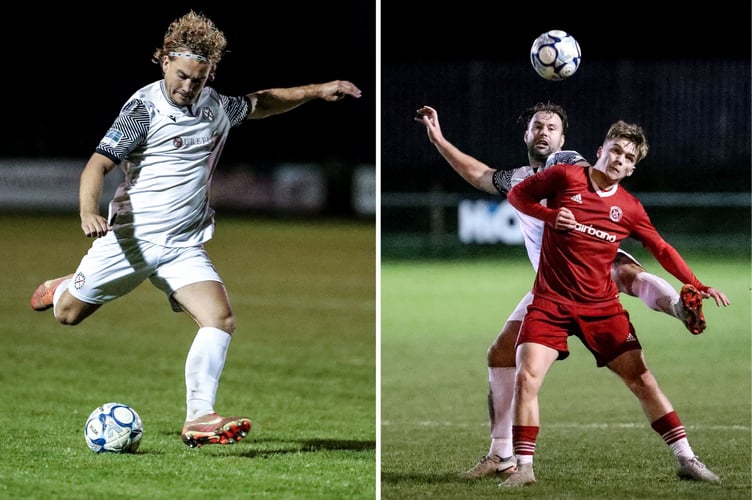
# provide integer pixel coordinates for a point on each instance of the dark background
(683, 73)
(656, 30)
(70, 68)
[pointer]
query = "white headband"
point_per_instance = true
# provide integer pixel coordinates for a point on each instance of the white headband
(189, 55)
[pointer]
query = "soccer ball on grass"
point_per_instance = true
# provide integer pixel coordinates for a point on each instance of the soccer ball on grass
(555, 55)
(113, 427)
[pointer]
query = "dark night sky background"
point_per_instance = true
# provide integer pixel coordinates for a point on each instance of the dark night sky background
(70, 68)
(424, 30)
(428, 51)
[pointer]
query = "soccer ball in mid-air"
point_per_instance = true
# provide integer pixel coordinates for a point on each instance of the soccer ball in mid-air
(555, 55)
(114, 428)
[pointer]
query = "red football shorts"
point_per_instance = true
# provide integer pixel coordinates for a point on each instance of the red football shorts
(604, 329)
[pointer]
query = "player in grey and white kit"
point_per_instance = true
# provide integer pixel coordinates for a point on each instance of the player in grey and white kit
(545, 128)
(168, 139)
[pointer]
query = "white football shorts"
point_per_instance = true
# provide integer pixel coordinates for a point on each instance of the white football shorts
(519, 312)
(112, 268)
(629, 256)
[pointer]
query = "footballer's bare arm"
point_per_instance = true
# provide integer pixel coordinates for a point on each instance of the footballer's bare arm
(474, 171)
(89, 193)
(271, 102)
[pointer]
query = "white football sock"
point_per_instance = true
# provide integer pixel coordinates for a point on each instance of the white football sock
(501, 384)
(681, 448)
(524, 459)
(656, 293)
(63, 286)
(203, 367)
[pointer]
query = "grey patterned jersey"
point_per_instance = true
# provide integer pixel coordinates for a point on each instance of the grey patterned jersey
(168, 154)
(532, 228)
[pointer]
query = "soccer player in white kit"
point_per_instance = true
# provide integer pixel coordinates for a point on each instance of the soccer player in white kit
(168, 139)
(545, 129)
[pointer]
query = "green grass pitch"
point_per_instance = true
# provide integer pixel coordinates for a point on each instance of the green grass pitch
(437, 321)
(302, 365)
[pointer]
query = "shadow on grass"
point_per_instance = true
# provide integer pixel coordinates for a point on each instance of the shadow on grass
(308, 445)
(397, 478)
(266, 448)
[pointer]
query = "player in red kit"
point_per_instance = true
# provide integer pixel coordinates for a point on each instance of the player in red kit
(587, 214)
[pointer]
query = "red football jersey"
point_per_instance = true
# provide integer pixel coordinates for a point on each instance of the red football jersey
(576, 265)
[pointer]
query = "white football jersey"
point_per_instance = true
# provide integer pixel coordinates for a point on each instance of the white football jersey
(168, 154)
(532, 228)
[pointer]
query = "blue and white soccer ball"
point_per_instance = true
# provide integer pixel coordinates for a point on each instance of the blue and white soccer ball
(114, 428)
(555, 55)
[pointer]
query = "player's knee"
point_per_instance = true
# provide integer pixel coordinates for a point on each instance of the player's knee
(626, 269)
(642, 384)
(228, 324)
(501, 352)
(67, 317)
(500, 355)
(624, 272)
(526, 385)
(71, 311)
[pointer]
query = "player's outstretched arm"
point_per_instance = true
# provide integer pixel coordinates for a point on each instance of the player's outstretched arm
(271, 102)
(674, 263)
(717, 295)
(474, 171)
(89, 192)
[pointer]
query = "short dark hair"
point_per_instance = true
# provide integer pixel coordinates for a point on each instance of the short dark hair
(549, 107)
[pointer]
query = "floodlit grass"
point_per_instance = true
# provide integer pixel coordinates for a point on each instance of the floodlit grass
(437, 321)
(301, 364)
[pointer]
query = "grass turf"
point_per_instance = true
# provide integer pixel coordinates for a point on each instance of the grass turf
(437, 321)
(301, 364)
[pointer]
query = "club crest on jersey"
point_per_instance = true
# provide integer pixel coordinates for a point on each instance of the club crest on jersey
(615, 214)
(79, 280)
(207, 114)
